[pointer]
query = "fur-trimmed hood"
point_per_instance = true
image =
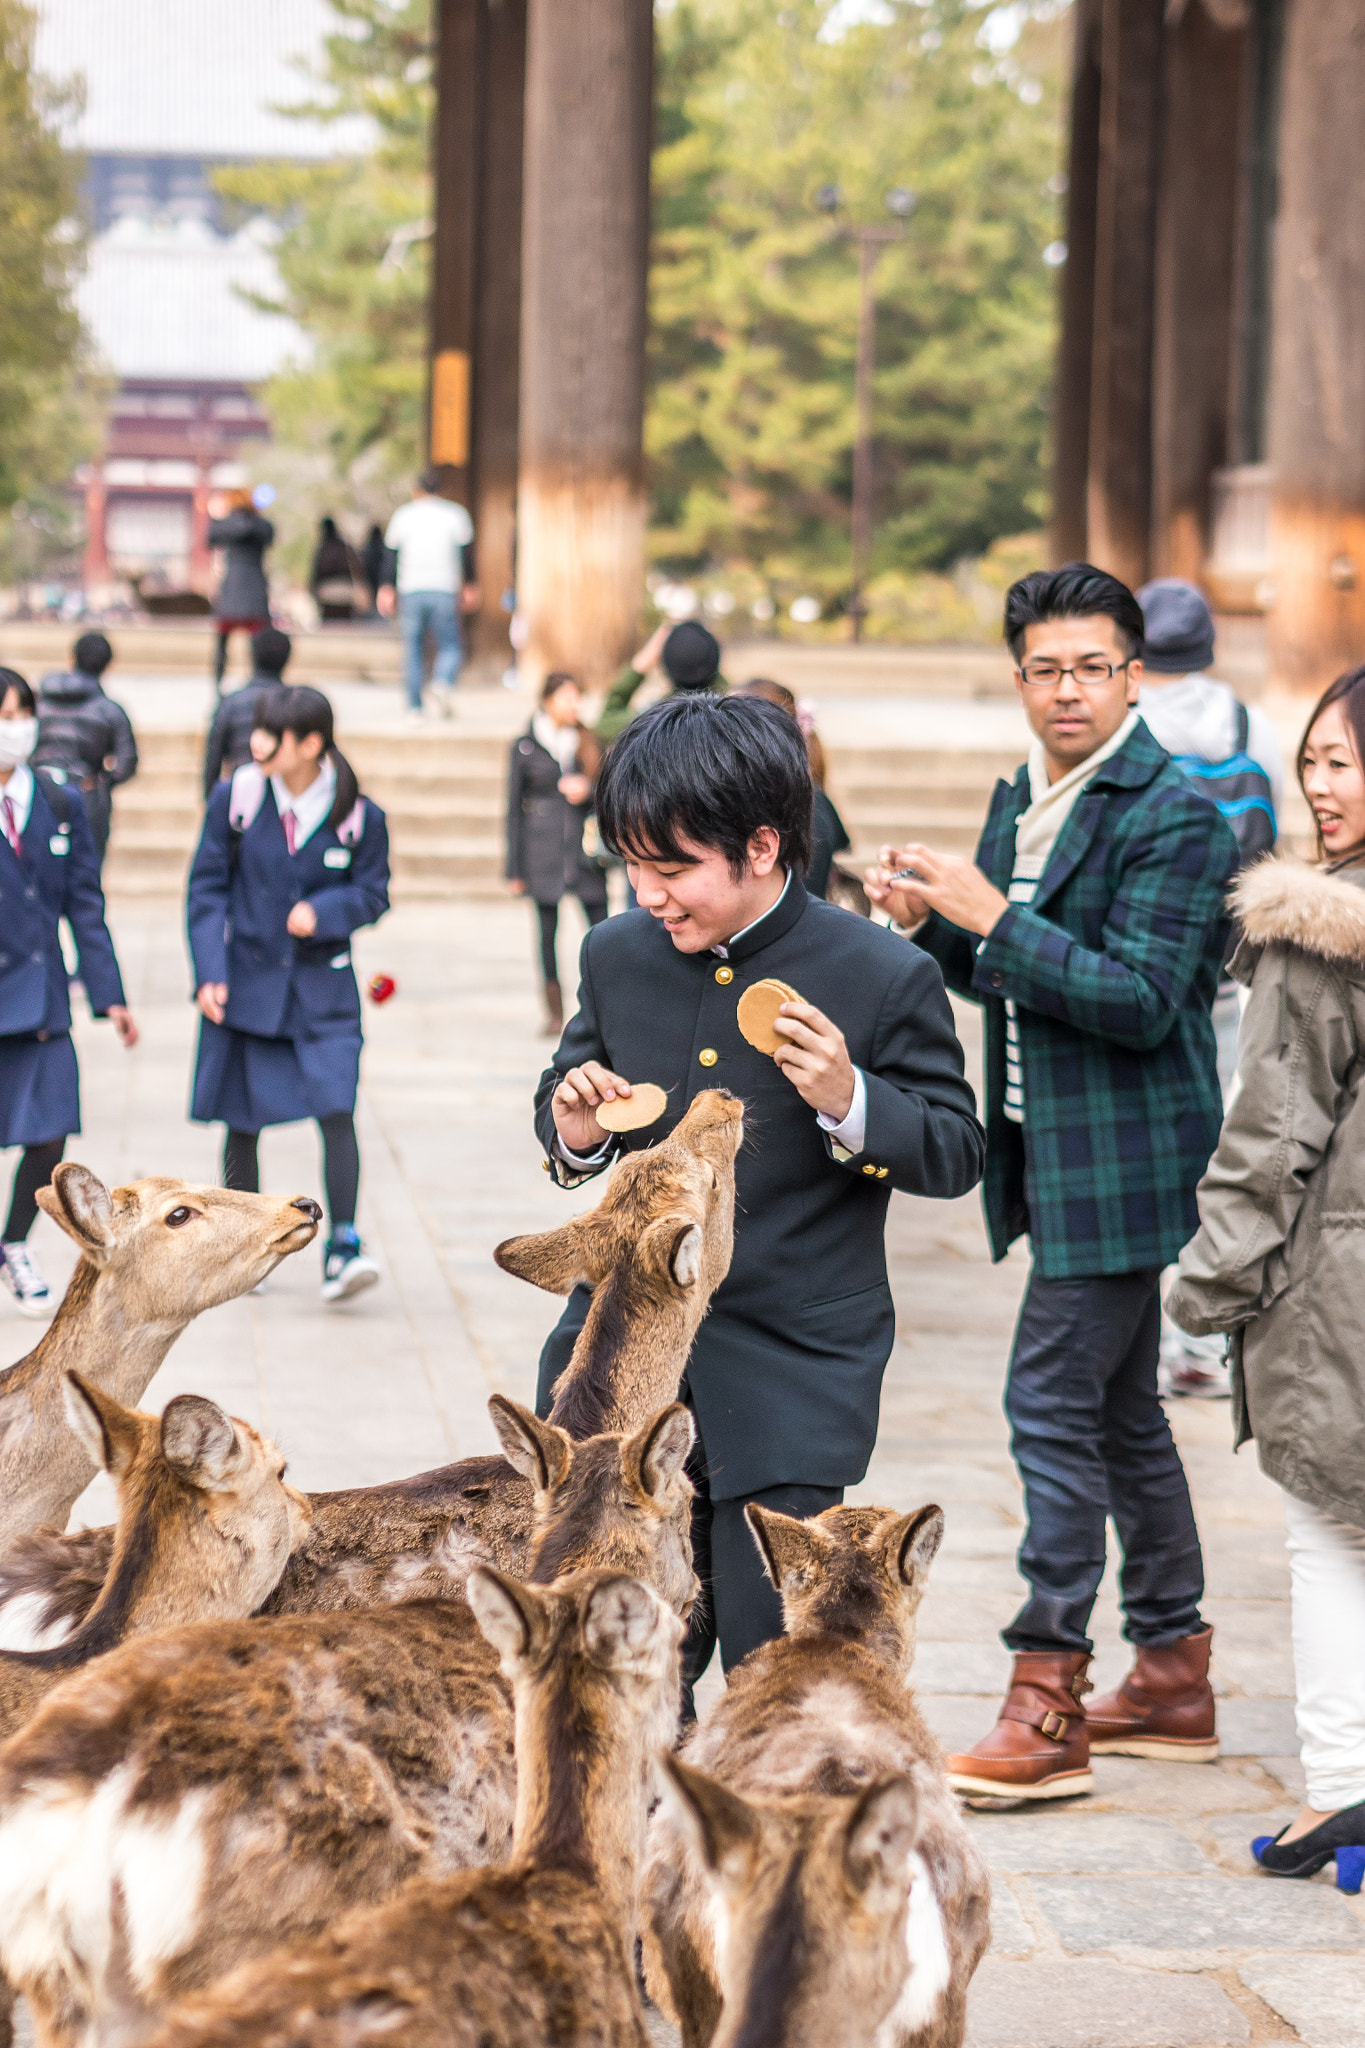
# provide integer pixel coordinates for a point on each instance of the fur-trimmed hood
(1283, 902)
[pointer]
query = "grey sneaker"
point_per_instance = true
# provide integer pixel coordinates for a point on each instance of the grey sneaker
(346, 1267)
(29, 1291)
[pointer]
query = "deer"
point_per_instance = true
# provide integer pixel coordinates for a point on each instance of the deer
(826, 1710)
(154, 1255)
(227, 1786)
(813, 1895)
(655, 1249)
(541, 1948)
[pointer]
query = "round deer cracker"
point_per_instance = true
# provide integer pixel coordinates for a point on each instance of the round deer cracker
(757, 1013)
(645, 1104)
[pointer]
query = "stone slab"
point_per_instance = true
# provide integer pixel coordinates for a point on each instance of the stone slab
(1127, 1784)
(1229, 1835)
(1011, 1934)
(1049, 2004)
(1077, 1842)
(1324, 2007)
(1256, 1727)
(982, 1668)
(1189, 1915)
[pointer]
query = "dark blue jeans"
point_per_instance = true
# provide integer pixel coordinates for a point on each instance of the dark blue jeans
(1091, 1439)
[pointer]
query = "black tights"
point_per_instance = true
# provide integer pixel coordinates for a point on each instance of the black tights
(340, 1165)
(548, 913)
(34, 1171)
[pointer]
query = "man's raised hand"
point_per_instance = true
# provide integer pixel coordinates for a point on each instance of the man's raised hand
(576, 1099)
(815, 1060)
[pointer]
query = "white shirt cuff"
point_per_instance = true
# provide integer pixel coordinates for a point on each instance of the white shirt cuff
(581, 1159)
(851, 1134)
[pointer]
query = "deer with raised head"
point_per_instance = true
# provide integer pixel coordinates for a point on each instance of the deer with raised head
(814, 1897)
(541, 1950)
(154, 1255)
(656, 1248)
(826, 1710)
(227, 1787)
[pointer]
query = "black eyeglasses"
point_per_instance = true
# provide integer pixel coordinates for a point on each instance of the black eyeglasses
(1045, 675)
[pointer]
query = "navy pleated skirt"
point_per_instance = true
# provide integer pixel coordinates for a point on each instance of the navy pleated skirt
(248, 1082)
(40, 1094)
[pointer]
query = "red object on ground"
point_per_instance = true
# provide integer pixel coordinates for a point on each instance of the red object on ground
(381, 987)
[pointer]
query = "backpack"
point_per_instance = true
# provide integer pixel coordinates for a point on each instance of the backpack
(1240, 789)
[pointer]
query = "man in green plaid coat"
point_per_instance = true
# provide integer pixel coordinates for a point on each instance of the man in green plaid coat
(1091, 928)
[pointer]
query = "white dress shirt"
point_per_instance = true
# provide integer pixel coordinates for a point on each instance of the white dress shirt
(310, 809)
(19, 790)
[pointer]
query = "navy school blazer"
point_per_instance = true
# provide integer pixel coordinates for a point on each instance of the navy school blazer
(36, 893)
(237, 909)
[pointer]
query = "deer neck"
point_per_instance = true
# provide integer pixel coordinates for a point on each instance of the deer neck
(628, 1360)
(581, 1794)
(108, 1338)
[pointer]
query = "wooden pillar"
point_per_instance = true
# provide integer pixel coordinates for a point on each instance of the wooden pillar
(581, 502)
(497, 332)
(1195, 276)
(457, 142)
(1071, 406)
(1119, 507)
(1316, 428)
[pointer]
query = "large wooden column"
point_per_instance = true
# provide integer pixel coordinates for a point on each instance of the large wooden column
(1316, 429)
(476, 284)
(1195, 279)
(581, 502)
(1119, 496)
(1071, 405)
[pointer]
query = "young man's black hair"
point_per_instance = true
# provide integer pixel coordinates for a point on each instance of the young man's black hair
(270, 651)
(92, 654)
(1075, 591)
(711, 771)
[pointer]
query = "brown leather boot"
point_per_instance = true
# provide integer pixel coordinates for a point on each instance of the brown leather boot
(1037, 1749)
(1164, 1707)
(554, 1011)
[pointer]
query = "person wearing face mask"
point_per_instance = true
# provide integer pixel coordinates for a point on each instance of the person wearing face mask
(291, 861)
(49, 870)
(1278, 1262)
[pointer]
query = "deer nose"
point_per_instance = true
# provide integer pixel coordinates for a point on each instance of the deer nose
(311, 1209)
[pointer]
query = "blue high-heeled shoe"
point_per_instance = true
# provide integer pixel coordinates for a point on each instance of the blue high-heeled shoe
(1342, 1837)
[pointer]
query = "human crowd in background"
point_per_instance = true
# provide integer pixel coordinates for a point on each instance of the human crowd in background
(1174, 1026)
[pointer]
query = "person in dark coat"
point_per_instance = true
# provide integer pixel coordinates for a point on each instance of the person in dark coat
(688, 654)
(828, 834)
(84, 735)
(243, 600)
(291, 861)
(708, 799)
(49, 870)
(550, 777)
(336, 569)
(379, 564)
(228, 747)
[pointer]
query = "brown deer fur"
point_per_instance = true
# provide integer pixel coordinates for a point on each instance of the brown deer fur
(155, 1254)
(227, 1787)
(826, 1710)
(813, 1895)
(656, 1247)
(540, 1951)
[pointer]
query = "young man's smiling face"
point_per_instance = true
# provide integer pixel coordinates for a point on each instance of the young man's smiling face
(699, 902)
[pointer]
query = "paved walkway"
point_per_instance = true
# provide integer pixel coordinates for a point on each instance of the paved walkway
(1134, 1919)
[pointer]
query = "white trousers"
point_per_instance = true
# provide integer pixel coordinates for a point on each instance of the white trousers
(1327, 1608)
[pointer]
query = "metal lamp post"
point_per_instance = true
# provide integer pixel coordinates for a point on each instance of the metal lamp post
(871, 241)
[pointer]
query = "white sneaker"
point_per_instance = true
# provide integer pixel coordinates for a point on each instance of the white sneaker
(1191, 1373)
(347, 1269)
(28, 1289)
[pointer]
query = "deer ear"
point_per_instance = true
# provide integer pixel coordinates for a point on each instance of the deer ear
(198, 1438)
(721, 1826)
(540, 1451)
(80, 1205)
(110, 1432)
(620, 1623)
(880, 1833)
(510, 1615)
(670, 1249)
(558, 1259)
(658, 1452)
(912, 1543)
(793, 1552)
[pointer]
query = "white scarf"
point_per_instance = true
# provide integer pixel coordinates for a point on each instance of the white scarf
(1035, 833)
(559, 740)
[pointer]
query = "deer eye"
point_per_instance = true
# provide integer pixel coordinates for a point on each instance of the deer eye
(179, 1216)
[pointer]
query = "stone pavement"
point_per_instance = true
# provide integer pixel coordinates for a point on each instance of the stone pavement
(1132, 1920)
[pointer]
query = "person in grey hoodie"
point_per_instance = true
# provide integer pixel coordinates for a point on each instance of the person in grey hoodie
(84, 734)
(1279, 1262)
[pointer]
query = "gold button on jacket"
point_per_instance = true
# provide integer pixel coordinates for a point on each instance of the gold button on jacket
(869, 1168)
(708, 1056)
(725, 975)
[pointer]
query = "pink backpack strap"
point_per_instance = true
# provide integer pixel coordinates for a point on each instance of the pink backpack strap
(353, 824)
(248, 794)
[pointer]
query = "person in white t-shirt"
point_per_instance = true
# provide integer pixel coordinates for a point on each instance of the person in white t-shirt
(432, 539)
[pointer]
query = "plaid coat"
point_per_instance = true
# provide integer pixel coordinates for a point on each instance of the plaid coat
(1112, 968)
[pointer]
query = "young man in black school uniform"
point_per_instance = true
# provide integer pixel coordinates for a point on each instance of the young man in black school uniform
(708, 799)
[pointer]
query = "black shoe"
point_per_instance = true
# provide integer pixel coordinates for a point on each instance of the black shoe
(1343, 1836)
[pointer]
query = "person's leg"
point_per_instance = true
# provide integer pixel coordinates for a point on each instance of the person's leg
(594, 905)
(340, 1169)
(548, 917)
(1327, 1617)
(743, 1598)
(241, 1161)
(445, 631)
(412, 620)
(34, 1171)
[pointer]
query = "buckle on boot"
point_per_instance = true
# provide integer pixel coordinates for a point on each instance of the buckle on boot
(1054, 1726)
